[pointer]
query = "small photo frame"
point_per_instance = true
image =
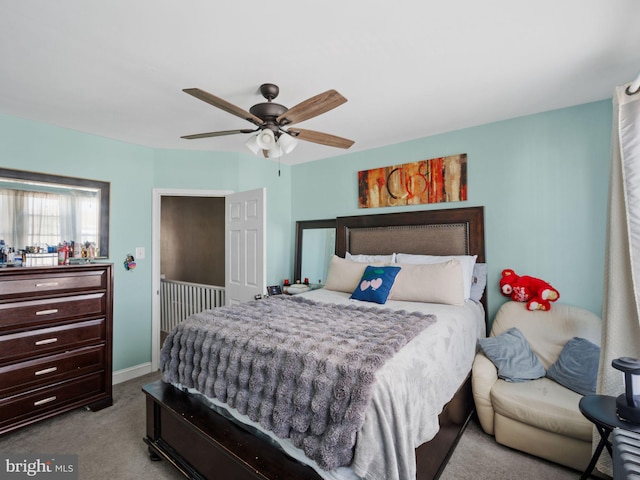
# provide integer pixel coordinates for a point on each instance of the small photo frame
(274, 290)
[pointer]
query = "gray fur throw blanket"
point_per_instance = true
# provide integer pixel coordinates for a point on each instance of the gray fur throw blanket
(304, 370)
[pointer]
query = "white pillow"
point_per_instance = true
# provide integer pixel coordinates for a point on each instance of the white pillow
(344, 275)
(430, 283)
(479, 282)
(466, 261)
(371, 258)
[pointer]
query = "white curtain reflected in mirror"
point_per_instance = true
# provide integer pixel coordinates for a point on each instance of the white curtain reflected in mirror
(319, 245)
(40, 211)
(45, 218)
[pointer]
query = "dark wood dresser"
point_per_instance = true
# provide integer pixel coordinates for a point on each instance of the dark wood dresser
(55, 341)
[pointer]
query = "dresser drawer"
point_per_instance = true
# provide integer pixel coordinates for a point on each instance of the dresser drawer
(30, 374)
(33, 313)
(43, 341)
(43, 400)
(24, 284)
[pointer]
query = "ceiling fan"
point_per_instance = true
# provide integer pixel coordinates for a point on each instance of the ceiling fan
(271, 119)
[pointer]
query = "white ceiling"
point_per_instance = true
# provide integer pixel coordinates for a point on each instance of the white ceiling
(409, 68)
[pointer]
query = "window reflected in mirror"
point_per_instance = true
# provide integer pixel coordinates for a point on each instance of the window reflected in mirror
(40, 211)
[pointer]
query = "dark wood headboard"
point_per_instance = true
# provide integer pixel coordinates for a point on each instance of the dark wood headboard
(455, 231)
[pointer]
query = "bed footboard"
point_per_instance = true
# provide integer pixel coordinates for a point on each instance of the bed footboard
(204, 445)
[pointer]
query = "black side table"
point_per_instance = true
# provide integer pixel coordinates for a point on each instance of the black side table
(601, 410)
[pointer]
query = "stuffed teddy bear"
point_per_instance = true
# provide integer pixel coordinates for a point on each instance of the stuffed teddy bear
(536, 292)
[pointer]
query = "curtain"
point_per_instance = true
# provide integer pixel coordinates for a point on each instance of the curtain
(32, 218)
(7, 216)
(621, 301)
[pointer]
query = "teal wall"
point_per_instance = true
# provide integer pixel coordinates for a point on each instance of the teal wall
(543, 180)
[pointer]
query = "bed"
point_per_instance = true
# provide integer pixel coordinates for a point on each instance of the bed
(206, 442)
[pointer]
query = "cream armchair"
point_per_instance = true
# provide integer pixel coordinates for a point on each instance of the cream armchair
(540, 417)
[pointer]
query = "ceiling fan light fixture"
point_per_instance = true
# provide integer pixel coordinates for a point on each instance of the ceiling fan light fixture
(266, 139)
(276, 151)
(266, 144)
(287, 143)
(252, 144)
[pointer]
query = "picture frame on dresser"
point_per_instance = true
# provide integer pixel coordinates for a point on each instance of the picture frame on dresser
(56, 331)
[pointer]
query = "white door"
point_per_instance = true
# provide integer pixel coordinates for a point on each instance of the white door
(245, 246)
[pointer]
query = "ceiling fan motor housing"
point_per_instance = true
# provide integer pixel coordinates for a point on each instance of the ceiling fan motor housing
(268, 110)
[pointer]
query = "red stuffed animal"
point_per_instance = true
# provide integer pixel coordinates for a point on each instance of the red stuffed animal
(537, 293)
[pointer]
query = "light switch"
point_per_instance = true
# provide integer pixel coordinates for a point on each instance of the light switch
(139, 253)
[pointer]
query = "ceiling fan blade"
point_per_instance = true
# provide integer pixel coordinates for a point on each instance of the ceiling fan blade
(312, 107)
(217, 134)
(223, 105)
(321, 138)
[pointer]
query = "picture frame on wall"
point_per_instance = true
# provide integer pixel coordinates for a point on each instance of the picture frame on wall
(442, 179)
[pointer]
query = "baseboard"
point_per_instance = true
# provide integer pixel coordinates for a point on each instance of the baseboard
(131, 373)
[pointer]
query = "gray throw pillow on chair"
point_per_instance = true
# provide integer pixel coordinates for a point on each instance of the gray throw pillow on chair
(511, 354)
(577, 366)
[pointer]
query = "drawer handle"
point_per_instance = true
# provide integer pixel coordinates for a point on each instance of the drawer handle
(48, 284)
(47, 312)
(44, 400)
(46, 370)
(46, 341)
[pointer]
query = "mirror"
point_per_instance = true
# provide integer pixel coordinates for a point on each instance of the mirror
(39, 210)
(315, 244)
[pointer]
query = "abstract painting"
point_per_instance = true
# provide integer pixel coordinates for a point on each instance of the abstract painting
(442, 179)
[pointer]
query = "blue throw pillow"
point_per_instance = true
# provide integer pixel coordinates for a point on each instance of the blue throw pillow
(511, 354)
(577, 366)
(375, 284)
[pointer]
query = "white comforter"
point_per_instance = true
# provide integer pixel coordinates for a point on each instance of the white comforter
(411, 391)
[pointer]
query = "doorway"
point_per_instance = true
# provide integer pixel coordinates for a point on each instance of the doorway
(186, 251)
(192, 250)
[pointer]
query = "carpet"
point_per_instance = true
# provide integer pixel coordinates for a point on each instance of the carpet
(109, 445)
